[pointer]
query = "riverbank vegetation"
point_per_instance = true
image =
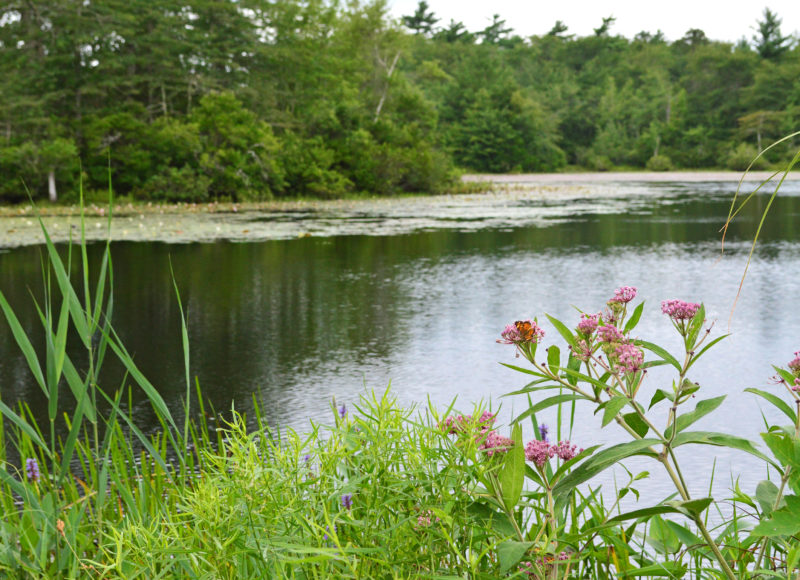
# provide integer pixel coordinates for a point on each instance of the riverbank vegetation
(384, 491)
(253, 100)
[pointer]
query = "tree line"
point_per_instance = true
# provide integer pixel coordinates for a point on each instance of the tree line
(254, 99)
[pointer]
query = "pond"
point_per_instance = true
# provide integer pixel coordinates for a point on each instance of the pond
(417, 298)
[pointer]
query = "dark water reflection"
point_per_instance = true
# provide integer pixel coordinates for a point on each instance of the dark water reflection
(295, 323)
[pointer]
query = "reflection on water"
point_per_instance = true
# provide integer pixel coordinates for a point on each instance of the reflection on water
(298, 322)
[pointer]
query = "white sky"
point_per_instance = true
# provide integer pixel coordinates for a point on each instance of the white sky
(727, 21)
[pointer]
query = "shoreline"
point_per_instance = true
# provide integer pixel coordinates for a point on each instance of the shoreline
(506, 201)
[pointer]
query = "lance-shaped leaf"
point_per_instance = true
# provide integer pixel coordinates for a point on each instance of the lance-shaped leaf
(512, 474)
(721, 440)
(600, 462)
(702, 409)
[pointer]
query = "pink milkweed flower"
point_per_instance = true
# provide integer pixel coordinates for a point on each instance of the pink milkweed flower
(623, 295)
(796, 386)
(794, 364)
(487, 418)
(566, 450)
(588, 324)
(496, 443)
(609, 333)
(629, 358)
(679, 309)
(520, 332)
(539, 452)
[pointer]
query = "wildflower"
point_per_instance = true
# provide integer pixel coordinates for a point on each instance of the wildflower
(327, 529)
(538, 452)
(425, 519)
(487, 418)
(582, 351)
(794, 364)
(796, 386)
(543, 430)
(566, 450)
(455, 424)
(629, 358)
(588, 324)
(609, 333)
(307, 458)
(623, 295)
(520, 332)
(496, 443)
(679, 309)
(343, 411)
(347, 501)
(32, 469)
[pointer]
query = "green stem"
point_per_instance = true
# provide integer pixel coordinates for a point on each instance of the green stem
(680, 486)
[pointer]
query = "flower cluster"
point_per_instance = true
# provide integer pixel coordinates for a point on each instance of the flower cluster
(796, 386)
(32, 469)
(496, 443)
(521, 332)
(425, 520)
(609, 333)
(629, 358)
(481, 429)
(540, 451)
(588, 324)
(679, 309)
(347, 501)
(794, 364)
(459, 423)
(623, 295)
(545, 562)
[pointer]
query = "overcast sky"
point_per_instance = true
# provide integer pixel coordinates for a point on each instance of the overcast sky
(727, 21)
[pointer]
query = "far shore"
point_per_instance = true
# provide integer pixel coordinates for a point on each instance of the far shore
(624, 176)
(492, 201)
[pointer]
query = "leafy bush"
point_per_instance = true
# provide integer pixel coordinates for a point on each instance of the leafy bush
(659, 163)
(740, 158)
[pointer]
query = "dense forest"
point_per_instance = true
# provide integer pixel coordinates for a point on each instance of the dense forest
(254, 99)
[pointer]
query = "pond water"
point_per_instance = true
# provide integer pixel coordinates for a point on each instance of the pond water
(294, 323)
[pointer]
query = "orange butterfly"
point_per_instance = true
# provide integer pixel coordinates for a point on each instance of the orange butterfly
(525, 329)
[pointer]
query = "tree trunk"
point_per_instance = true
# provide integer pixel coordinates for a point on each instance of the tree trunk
(51, 185)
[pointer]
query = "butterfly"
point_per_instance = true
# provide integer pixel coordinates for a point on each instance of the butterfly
(526, 330)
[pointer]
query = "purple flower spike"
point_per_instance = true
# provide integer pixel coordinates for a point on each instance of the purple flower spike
(543, 429)
(679, 309)
(343, 411)
(624, 294)
(347, 501)
(32, 469)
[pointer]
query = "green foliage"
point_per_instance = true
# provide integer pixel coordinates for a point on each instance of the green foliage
(740, 158)
(659, 163)
(147, 85)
